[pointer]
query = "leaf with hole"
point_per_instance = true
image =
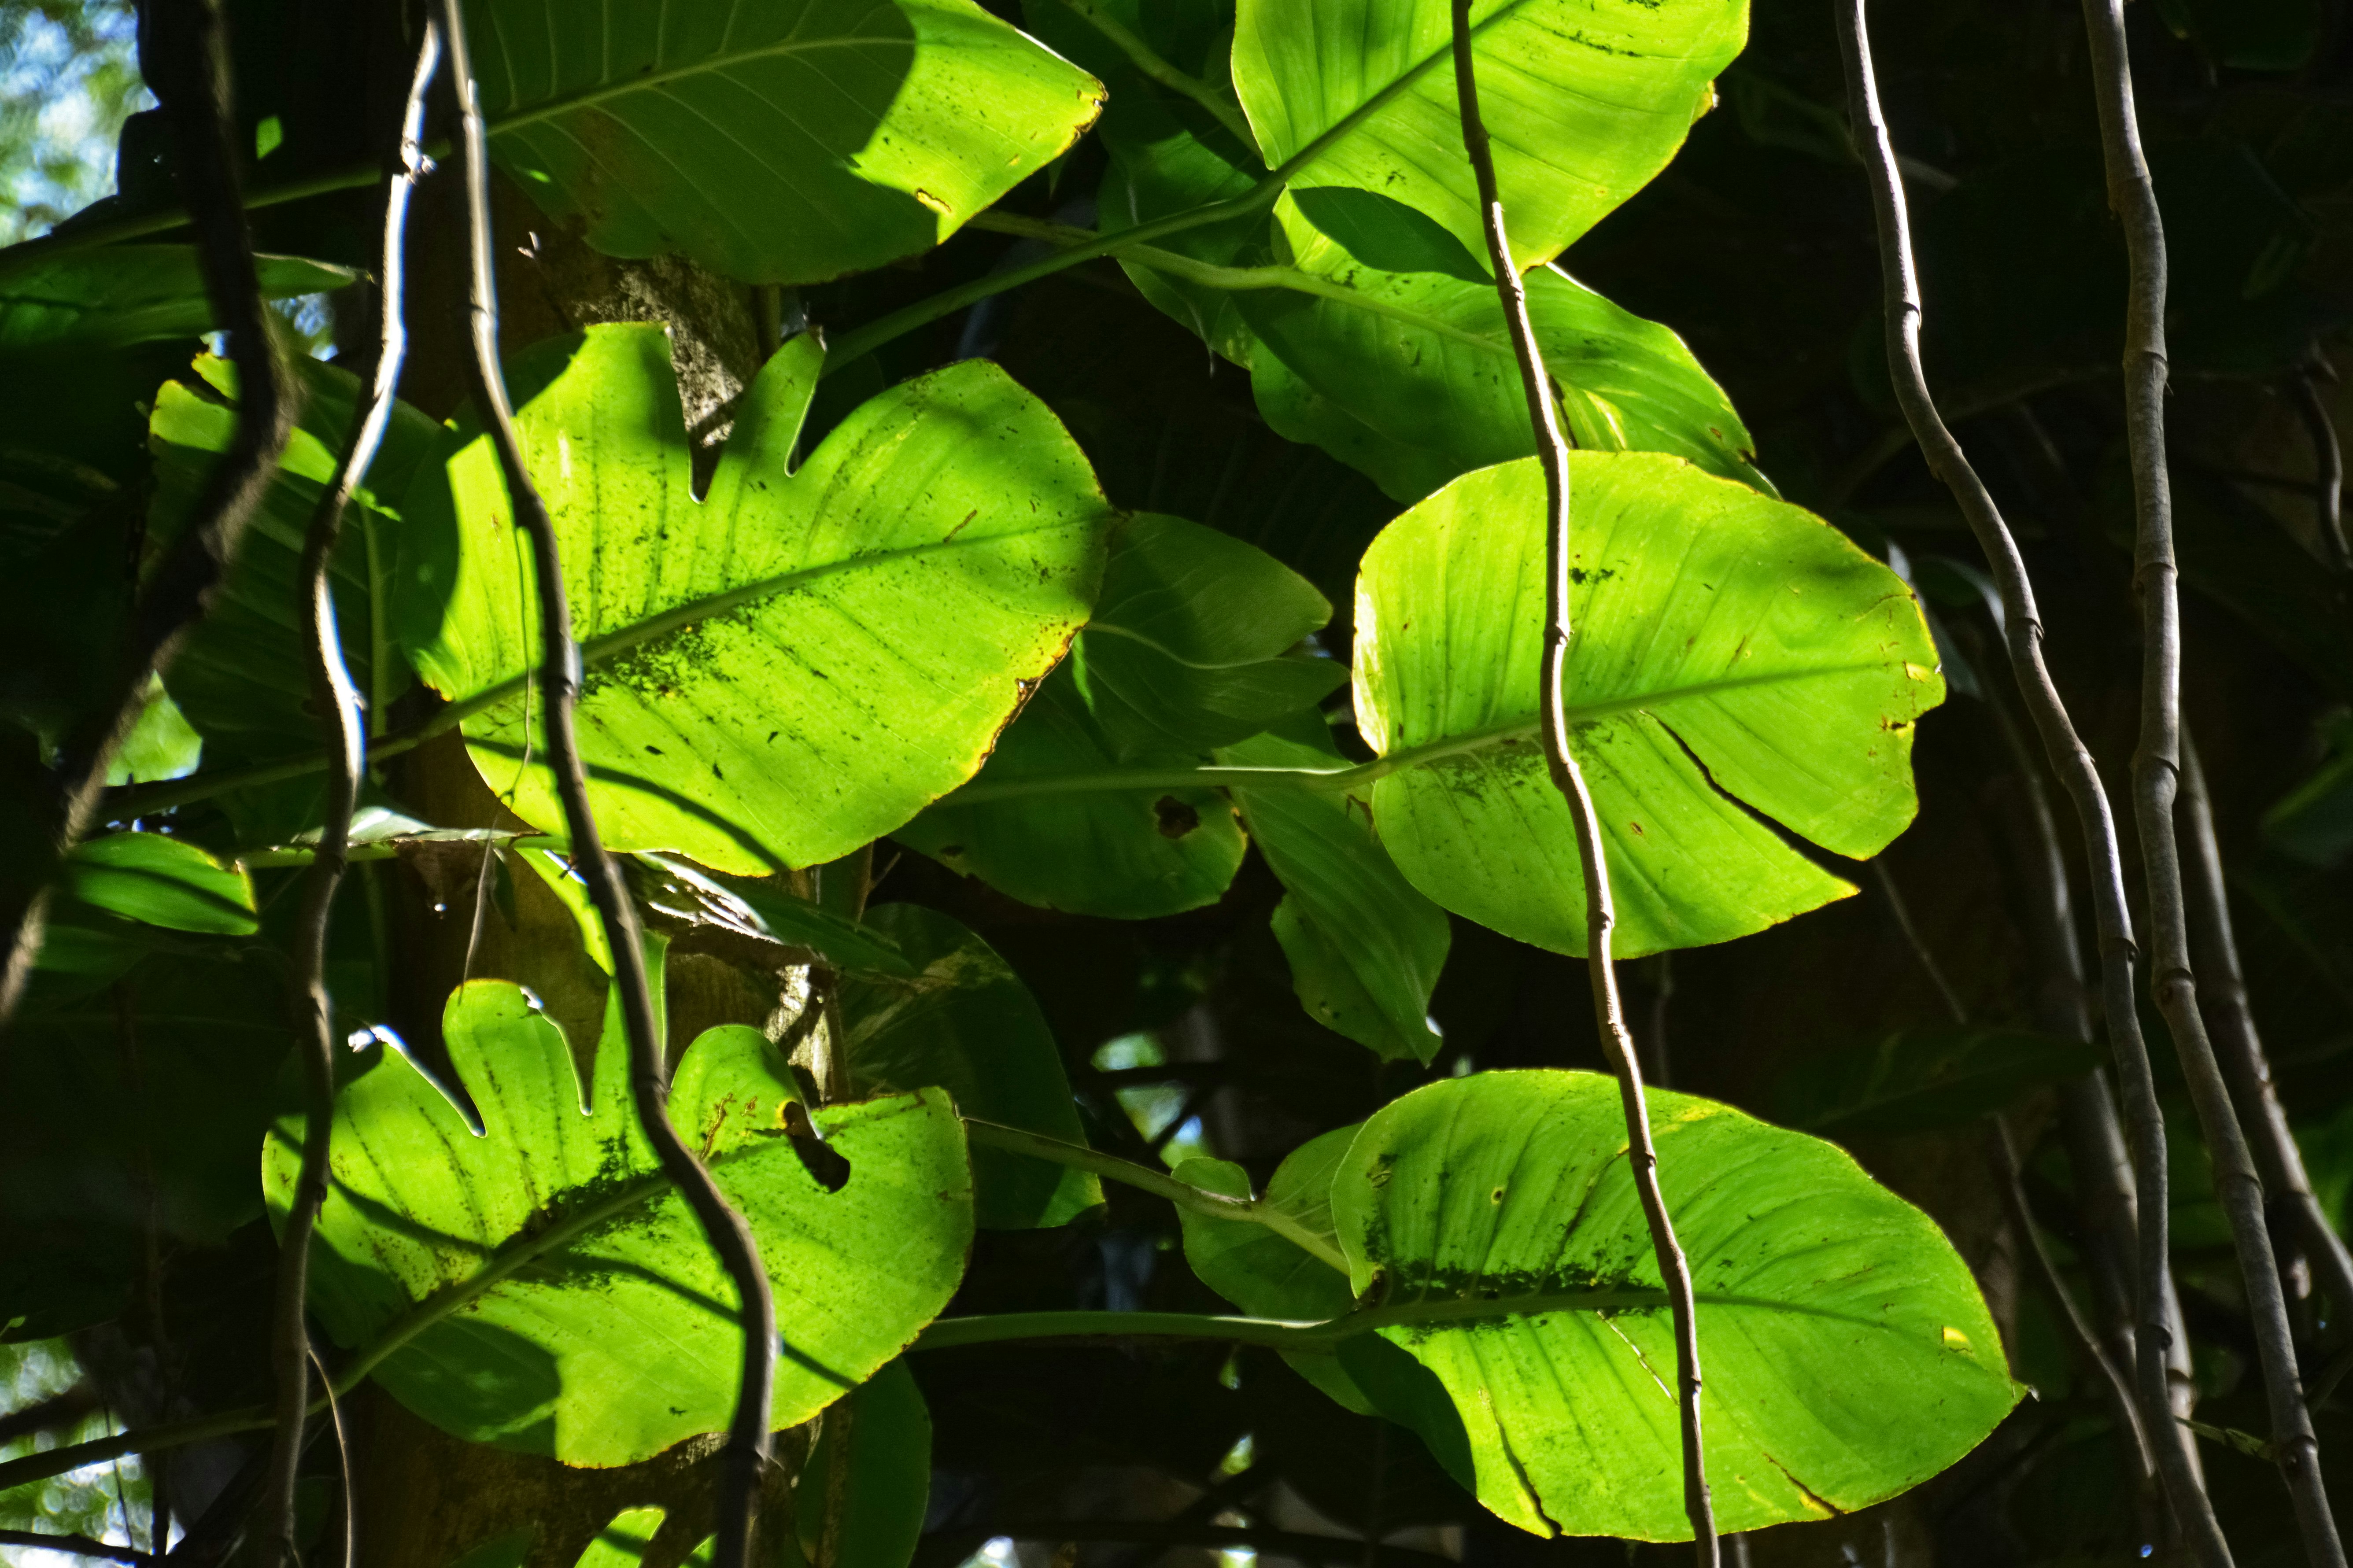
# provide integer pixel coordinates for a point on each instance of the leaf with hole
(1847, 1352)
(793, 665)
(783, 144)
(1738, 670)
(539, 1286)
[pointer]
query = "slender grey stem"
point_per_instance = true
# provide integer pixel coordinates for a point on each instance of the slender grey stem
(2155, 778)
(1609, 1012)
(748, 1444)
(2327, 469)
(2022, 632)
(1184, 1194)
(339, 707)
(2224, 995)
(192, 48)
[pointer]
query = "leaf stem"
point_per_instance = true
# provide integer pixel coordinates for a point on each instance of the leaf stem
(1608, 1012)
(338, 704)
(2022, 627)
(1184, 1194)
(561, 674)
(1142, 56)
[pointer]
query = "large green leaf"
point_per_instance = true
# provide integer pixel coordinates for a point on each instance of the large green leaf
(1735, 660)
(1586, 100)
(160, 881)
(1410, 364)
(243, 678)
(797, 663)
(1847, 1352)
(1190, 647)
(1366, 947)
(105, 299)
(860, 1499)
(777, 143)
(601, 1328)
(963, 1022)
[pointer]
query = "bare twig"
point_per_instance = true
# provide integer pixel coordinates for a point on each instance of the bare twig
(2155, 778)
(339, 707)
(748, 1445)
(192, 48)
(2327, 469)
(2022, 631)
(2242, 1047)
(1608, 1013)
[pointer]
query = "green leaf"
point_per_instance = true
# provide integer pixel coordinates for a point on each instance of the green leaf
(1736, 663)
(1190, 645)
(1848, 1354)
(1411, 365)
(597, 1327)
(1919, 1080)
(121, 294)
(2314, 823)
(1186, 651)
(162, 881)
(793, 665)
(1366, 947)
(849, 945)
(162, 743)
(1584, 103)
(775, 144)
(963, 1022)
(243, 678)
(861, 1498)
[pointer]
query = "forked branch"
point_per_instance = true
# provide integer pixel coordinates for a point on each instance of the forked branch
(2157, 776)
(1608, 1012)
(748, 1445)
(2022, 631)
(338, 704)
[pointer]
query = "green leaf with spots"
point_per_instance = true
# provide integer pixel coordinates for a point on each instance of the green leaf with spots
(963, 1021)
(793, 665)
(539, 1286)
(1193, 646)
(1848, 1353)
(1586, 100)
(1737, 664)
(777, 143)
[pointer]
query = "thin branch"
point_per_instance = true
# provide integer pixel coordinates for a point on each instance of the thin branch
(2241, 1046)
(2022, 632)
(748, 1444)
(2155, 778)
(338, 706)
(67, 1407)
(1608, 1013)
(1144, 57)
(79, 1546)
(2327, 469)
(1184, 1194)
(192, 81)
(1920, 949)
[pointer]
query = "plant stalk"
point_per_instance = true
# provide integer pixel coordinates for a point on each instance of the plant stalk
(1609, 1012)
(2224, 995)
(2327, 470)
(2156, 779)
(748, 1443)
(339, 705)
(2023, 634)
